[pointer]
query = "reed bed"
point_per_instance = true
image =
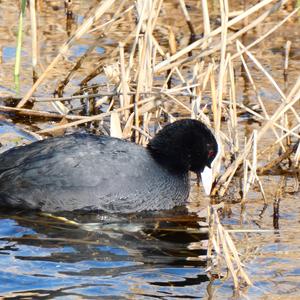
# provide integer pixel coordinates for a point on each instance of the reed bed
(150, 80)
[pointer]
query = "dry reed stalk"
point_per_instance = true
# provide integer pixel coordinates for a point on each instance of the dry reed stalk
(265, 35)
(237, 260)
(144, 72)
(91, 118)
(225, 179)
(222, 64)
(221, 242)
(141, 16)
(260, 117)
(179, 103)
(166, 86)
(276, 161)
(214, 103)
(187, 87)
(199, 42)
(68, 7)
(124, 88)
(144, 135)
(63, 83)
(128, 126)
(97, 69)
(240, 32)
(142, 61)
(233, 122)
(291, 100)
(207, 75)
(244, 30)
(33, 37)
(38, 113)
(184, 85)
(60, 107)
(200, 81)
(152, 105)
(270, 78)
(107, 26)
(113, 21)
(172, 41)
(206, 22)
(196, 91)
(187, 19)
(226, 254)
(231, 38)
(172, 48)
(287, 105)
(254, 167)
(115, 125)
(245, 179)
(252, 177)
(297, 156)
(248, 178)
(178, 90)
(102, 8)
(248, 73)
(174, 91)
(286, 56)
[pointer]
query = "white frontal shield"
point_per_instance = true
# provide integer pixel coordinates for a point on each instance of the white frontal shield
(207, 174)
(207, 179)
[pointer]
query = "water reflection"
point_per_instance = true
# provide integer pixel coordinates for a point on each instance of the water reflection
(108, 256)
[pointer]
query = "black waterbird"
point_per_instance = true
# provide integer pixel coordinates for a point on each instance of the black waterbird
(89, 172)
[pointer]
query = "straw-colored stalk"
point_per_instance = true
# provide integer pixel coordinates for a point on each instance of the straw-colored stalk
(225, 251)
(124, 97)
(187, 19)
(286, 56)
(33, 37)
(103, 7)
(197, 43)
(91, 118)
(206, 22)
(233, 122)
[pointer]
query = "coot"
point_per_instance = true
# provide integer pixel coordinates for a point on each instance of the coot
(89, 172)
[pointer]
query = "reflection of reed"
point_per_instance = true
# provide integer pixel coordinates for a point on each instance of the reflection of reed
(221, 242)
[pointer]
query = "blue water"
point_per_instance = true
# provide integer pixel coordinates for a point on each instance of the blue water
(147, 257)
(43, 256)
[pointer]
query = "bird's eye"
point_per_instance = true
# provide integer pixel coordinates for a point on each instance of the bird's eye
(211, 153)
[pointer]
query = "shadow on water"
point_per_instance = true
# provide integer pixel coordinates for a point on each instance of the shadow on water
(101, 255)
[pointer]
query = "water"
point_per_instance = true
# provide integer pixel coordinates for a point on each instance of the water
(110, 256)
(145, 257)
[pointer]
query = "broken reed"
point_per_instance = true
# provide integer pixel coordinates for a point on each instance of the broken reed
(203, 69)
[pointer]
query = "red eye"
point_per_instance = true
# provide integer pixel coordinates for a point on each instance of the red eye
(211, 153)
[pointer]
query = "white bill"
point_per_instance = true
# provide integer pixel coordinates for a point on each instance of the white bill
(207, 179)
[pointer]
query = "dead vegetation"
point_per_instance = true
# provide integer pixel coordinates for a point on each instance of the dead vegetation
(150, 80)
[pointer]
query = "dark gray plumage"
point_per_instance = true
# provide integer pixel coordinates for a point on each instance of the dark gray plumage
(89, 172)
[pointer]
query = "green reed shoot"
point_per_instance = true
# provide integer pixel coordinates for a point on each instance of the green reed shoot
(19, 45)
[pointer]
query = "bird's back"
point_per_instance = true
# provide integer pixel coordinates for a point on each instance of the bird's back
(83, 171)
